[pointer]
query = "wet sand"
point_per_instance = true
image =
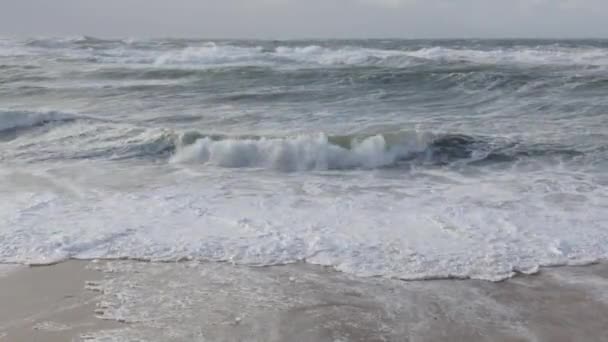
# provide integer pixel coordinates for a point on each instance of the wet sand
(136, 301)
(48, 303)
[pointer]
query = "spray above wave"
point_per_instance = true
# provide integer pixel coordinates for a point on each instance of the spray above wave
(281, 55)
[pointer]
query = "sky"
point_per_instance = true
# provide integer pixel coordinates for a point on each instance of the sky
(284, 19)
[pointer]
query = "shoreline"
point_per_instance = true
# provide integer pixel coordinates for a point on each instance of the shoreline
(78, 300)
(185, 260)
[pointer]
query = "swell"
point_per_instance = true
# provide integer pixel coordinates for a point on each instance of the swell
(66, 42)
(23, 120)
(398, 54)
(399, 57)
(305, 152)
(260, 84)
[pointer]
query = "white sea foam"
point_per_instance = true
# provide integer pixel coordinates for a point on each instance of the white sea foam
(540, 56)
(220, 302)
(419, 226)
(345, 56)
(311, 152)
(212, 54)
(219, 54)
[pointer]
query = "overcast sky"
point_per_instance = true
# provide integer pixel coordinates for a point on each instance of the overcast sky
(306, 18)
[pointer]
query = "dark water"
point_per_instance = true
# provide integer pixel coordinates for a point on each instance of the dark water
(531, 91)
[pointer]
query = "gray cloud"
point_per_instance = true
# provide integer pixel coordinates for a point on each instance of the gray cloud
(310, 18)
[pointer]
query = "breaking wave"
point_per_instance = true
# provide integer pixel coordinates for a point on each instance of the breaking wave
(66, 42)
(304, 152)
(222, 54)
(211, 53)
(175, 52)
(323, 152)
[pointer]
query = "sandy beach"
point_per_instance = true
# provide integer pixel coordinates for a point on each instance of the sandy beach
(138, 301)
(48, 303)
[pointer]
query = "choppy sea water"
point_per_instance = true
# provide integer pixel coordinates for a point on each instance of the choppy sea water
(404, 159)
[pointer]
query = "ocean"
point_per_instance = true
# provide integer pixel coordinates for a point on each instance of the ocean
(405, 159)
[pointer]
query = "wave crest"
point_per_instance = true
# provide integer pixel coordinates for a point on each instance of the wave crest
(214, 54)
(324, 152)
(172, 52)
(12, 120)
(211, 54)
(104, 139)
(296, 154)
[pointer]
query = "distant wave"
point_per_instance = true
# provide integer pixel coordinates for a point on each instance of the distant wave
(64, 42)
(533, 56)
(211, 54)
(214, 54)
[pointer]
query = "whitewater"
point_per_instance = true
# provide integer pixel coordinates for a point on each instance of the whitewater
(412, 160)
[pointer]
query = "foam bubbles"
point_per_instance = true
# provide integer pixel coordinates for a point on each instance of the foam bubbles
(294, 154)
(509, 179)
(209, 53)
(411, 227)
